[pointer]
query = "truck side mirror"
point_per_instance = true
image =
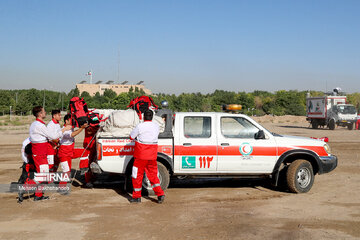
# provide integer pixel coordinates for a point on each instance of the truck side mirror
(260, 135)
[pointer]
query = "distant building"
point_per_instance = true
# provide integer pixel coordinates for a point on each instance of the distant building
(100, 87)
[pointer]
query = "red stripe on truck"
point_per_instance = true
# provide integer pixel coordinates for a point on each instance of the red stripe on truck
(317, 149)
(210, 150)
(196, 150)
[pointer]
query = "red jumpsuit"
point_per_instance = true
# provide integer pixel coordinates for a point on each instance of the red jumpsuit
(145, 157)
(52, 147)
(52, 159)
(357, 124)
(38, 137)
(88, 153)
(66, 153)
(39, 151)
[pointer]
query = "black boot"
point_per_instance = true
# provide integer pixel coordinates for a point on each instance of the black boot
(20, 197)
(36, 198)
(135, 200)
(161, 199)
(89, 185)
(64, 192)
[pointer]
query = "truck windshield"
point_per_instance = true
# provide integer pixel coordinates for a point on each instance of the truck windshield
(347, 109)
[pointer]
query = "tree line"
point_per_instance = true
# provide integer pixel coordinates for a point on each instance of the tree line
(259, 103)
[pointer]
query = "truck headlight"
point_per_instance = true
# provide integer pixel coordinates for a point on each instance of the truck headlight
(327, 149)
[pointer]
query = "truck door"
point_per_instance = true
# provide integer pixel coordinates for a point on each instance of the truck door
(197, 148)
(239, 151)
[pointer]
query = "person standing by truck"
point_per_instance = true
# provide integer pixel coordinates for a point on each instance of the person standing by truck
(87, 154)
(146, 138)
(66, 149)
(53, 126)
(357, 124)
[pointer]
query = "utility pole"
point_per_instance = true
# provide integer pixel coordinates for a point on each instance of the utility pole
(118, 75)
(10, 113)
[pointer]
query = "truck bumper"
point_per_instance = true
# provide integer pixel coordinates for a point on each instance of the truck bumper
(346, 122)
(327, 164)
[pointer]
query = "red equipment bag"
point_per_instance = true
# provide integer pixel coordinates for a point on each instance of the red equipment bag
(141, 104)
(79, 111)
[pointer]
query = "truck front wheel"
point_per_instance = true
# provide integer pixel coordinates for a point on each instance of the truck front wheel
(300, 176)
(332, 124)
(315, 124)
(350, 126)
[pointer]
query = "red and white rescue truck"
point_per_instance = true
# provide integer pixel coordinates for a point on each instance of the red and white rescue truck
(208, 144)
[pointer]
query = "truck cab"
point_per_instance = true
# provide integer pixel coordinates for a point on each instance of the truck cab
(343, 115)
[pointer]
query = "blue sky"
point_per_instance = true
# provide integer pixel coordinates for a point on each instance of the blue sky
(181, 46)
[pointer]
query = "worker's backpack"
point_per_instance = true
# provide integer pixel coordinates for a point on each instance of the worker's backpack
(79, 111)
(141, 104)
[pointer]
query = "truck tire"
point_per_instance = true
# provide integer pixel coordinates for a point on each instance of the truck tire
(315, 124)
(300, 176)
(164, 177)
(351, 126)
(332, 124)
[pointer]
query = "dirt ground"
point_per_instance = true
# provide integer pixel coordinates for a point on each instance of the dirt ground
(194, 209)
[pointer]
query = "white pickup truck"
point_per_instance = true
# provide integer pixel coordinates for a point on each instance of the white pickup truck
(207, 144)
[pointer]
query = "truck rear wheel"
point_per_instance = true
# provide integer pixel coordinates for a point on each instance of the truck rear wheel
(332, 124)
(350, 126)
(315, 124)
(300, 176)
(163, 175)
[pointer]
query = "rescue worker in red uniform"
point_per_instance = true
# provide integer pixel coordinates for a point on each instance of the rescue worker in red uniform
(39, 135)
(87, 154)
(66, 150)
(357, 124)
(146, 137)
(53, 126)
(28, 167)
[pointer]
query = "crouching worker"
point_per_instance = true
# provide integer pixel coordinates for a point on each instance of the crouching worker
(66, 151)
(87, 154)
(26, 180)
(146, 137)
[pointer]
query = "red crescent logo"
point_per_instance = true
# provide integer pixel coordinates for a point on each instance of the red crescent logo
(243, 149)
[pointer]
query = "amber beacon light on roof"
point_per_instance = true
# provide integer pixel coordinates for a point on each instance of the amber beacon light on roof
(233, 108)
